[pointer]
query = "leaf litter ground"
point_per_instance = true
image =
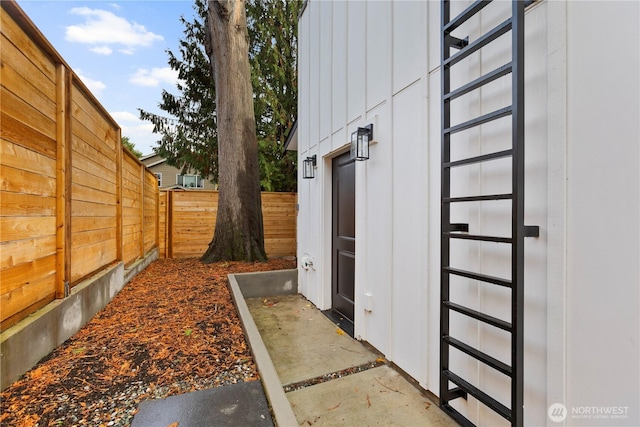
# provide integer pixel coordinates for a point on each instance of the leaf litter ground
(173, 329)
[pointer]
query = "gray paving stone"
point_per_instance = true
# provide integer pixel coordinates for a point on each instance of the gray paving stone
(242, 404)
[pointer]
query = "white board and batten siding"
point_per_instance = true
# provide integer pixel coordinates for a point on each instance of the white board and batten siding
(379, 62)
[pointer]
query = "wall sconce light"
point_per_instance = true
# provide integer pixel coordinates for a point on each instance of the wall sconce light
(308, 166)
(360, 142)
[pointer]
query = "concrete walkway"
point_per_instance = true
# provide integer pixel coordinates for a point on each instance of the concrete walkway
(304, 346)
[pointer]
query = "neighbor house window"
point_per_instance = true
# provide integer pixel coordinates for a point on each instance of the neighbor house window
(159, 176)
(191, 181)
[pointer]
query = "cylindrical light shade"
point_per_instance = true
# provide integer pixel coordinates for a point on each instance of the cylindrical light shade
(360, 142)
(308, 167)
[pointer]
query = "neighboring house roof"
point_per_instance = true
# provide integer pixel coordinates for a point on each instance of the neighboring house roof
(147, 156)
(180, 187)
(292, 139)
(156, 163)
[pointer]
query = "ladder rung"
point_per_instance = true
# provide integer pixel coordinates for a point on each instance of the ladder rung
(479, 237)
(506, 196)
(494, 115)
(478, 159)
(478, 44)
(457, 416)
(465, 15)
(489, 320)
(478, 276)
(479, 355)
(478, 394)
(480, 81)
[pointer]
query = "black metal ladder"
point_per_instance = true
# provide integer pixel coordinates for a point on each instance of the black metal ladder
(454, 50)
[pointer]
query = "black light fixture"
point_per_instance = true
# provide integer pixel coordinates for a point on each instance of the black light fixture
(308, 166)
(360, 142)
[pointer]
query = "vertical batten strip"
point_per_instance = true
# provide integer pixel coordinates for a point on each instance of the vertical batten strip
(157, 192)
(63, 181)
(119, 166)
(169, 225)
(61, 193)
(142, 230)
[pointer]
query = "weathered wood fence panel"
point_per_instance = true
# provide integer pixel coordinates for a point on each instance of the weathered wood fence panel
(188, 223)
(27, 174)
(150, 212)
(94, 145)
(72, 199)
(131, 209)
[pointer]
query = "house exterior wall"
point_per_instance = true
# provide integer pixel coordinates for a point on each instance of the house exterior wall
(169, 173)
(379, 62)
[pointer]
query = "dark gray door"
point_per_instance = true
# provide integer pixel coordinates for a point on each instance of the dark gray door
(343, 235)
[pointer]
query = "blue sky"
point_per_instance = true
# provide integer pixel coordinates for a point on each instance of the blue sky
(118, 50)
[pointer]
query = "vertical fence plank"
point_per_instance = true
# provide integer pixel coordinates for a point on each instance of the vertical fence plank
(63, 180)
(157, 190)
(119, 232)
(169, 224)
(141, 211)
(61, 187)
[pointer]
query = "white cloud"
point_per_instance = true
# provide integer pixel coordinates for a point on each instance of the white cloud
(102, 28)
(124, 116)
(102, 50)
(116, 6)
(95, 86)
(153, 77)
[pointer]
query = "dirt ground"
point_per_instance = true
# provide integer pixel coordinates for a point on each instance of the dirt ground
(171, 330)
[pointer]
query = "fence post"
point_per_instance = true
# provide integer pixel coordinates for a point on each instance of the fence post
(63, 181)
(119, 166)
(157, 191)
(141, 211)
(169, 226)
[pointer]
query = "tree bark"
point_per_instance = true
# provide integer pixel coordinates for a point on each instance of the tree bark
(239, 233)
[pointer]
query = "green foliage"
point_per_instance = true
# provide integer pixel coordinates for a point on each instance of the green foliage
(189, 139)
(273, 29)
(127, 143)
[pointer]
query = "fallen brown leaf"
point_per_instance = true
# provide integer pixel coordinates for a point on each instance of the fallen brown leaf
(334, 407)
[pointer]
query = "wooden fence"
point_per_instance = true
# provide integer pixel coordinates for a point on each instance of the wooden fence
(72, 199)
(187, 223)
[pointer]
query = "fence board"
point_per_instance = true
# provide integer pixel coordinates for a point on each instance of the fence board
(90, 194)
(25, 113)
(22, 88)
(22, 298)
(17, 276)
(20, 157)
(18, 228)
(17, 204)
(21, 134)
(21, 181)
(21, 251)
(14, 60)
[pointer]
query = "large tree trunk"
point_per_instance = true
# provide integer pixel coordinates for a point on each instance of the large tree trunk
(239, 232)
